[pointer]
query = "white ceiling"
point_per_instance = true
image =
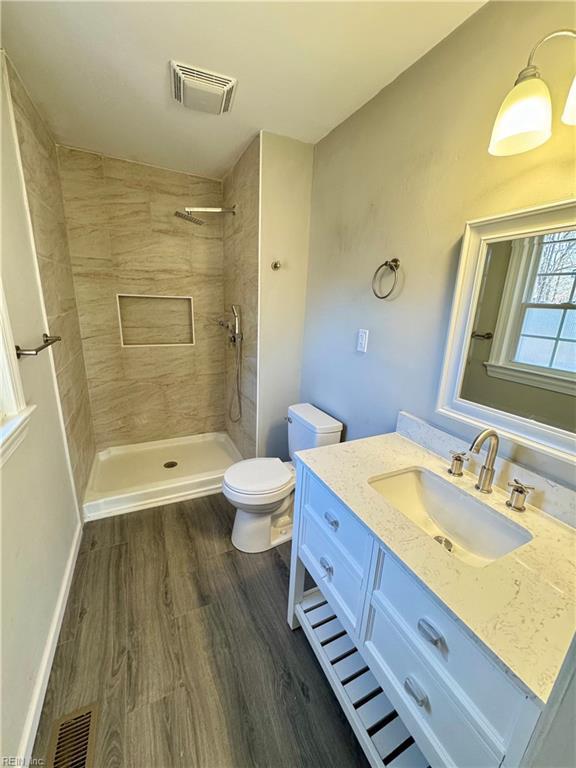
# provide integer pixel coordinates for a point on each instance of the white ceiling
(99, 70)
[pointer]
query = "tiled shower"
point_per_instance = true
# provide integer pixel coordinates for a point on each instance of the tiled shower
(125, 240)
(137, 295)
(105, 232)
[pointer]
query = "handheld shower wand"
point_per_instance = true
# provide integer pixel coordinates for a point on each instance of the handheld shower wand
(235, 337)
(237, 324)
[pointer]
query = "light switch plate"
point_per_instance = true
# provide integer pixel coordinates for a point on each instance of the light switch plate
(362, 340)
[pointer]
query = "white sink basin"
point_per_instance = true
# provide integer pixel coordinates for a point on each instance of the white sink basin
(476, 534)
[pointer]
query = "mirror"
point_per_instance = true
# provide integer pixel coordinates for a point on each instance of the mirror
(511, 355)
(522, 352)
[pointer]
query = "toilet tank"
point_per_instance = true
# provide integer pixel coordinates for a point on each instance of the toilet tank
(309, 427)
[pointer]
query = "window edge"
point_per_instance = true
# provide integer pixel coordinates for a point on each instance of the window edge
(531, 377)
(13, 431)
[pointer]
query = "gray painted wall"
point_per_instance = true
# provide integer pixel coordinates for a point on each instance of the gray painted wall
(40, 519)
(400, 178)
(286, 186)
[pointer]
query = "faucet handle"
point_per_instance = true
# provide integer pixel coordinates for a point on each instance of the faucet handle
(521, 487)
(457, 465)
(518, 495)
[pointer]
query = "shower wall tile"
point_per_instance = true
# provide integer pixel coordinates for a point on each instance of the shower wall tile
(149, 320)
(124, 238)
(242, 188)
(44, 193)
(103, 356)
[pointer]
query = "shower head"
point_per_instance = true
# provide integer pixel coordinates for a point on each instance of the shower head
(188, 213)
(188, 217)
(232, 210)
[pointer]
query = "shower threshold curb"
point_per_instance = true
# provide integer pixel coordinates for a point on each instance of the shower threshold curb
(157, 489)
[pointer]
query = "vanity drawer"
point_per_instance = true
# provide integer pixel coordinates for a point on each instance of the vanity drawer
(337, 521)
(339, 577)
(432, 714)
(451, 653)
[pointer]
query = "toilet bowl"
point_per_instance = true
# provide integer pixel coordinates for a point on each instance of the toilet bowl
(262, 490)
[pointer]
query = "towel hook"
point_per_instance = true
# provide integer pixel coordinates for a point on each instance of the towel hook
(393, 265)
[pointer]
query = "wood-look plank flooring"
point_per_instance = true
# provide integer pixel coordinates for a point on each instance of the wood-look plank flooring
(182, 643)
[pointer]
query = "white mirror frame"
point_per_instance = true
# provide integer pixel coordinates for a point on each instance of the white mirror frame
(478, 235)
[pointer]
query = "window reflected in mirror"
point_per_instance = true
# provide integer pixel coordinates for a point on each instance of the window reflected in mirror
(522, 351)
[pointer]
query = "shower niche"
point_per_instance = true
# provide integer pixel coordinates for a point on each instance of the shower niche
(155, 321)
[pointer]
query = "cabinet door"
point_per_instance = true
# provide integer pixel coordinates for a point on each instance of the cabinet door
(339, 578)
(450, 651)
(444, 730)
(342, 526)
(336, 549)
(408, 634)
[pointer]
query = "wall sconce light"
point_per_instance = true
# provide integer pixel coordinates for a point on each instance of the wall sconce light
(524, 120)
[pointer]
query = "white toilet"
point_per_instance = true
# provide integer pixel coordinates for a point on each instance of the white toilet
(262, 490)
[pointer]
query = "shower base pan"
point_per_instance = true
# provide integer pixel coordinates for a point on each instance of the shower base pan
(130, 477)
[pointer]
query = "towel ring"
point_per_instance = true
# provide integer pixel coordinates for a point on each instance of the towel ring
(393, 265)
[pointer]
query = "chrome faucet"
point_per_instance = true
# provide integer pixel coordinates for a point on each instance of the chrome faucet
(486, 476)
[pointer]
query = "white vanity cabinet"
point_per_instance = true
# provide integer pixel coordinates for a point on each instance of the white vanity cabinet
(336, 549)
(460, 704)
(450, 694)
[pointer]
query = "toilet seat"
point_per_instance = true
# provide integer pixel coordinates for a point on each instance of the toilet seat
(258, 481)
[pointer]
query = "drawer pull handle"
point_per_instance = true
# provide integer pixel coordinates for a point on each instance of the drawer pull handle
(430, 633)
(327, 567)
(332, 521)
(416, 692)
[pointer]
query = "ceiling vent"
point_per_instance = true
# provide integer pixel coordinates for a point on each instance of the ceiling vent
(201, 89)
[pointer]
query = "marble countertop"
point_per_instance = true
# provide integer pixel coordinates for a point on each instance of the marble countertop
(521, 606)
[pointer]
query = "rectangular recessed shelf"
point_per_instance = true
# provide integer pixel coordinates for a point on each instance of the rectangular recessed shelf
(378, 727)
(152, 321)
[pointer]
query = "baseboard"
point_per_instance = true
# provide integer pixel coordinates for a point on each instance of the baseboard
(35, 709)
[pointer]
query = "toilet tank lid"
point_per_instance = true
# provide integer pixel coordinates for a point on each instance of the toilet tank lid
(314, 419)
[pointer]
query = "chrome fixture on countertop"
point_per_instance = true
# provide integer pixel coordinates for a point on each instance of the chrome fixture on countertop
(518, 495)
(486, 475)
(457, 465)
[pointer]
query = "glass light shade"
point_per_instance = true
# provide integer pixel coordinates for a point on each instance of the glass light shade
(569, 114)
(524, 120)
